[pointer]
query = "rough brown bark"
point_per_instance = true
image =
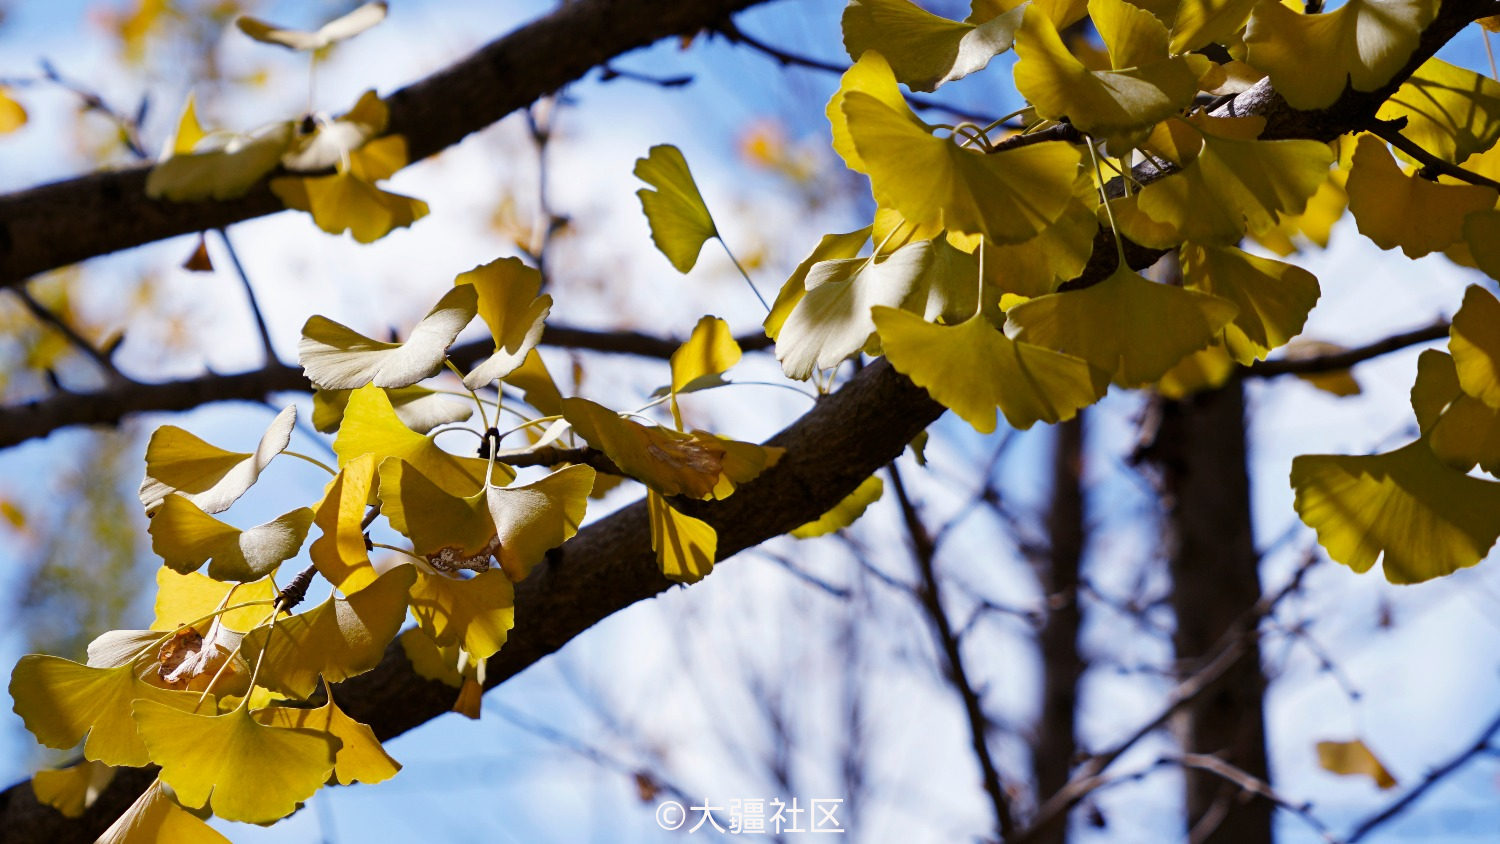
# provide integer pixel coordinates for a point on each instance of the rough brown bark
(1200, 449)
(1062, 664)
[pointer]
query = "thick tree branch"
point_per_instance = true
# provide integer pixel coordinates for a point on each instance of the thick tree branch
(59, 224)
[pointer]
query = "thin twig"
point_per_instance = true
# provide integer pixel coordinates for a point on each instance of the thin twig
(1253, 785)
(1348, 357)
(255, 311)
(78, 341)
(1390, 132)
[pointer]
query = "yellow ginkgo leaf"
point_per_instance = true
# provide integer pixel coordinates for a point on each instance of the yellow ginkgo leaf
(336, 357)
(1394, 209)
(340, 553)
(344, 202)
(220, 165)
(1474, 341)
(61, 701)
(531, 519)
(925, 50)
(830, 247)
(832, 320)
(846, 512)
(1482, 240)
(1312, 58)
(12, 114)
(476, 613)
(431, 661)
(1035, 267)
(1450, 111)
(186, 598)
(418, 408)
(1273, 298)
(225, 761)
(1427, 519)
(1131, 328)
(1462, 430)
(679, 219)
(1354, 758)
(870, 75)
(1205, 369)
(1324, 208)
(154, 817)
(1007, 196)
(1235, 183)
(340, 28)
(73, 789)
(1145, 86)
(1198, 23)
(973, 368)
(510, 305)
(340, 638)
(709, 350)
(452, 532)
(696, 464)
(185, 536)
(1062, 13)
(371, 426)
(684, 546)
(537, 387)
(360, 757)
(344, 140)
(206, 475)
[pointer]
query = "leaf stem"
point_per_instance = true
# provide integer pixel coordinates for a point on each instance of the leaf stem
(745, 275)
(313, 460)
(1108, 209)
(483, 416)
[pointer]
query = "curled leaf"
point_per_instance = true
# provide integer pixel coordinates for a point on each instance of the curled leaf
(206, 475)
(338, 358)
(339, 29)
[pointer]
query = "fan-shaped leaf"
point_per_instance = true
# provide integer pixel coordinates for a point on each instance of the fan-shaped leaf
(154, 817)
(345, 202)
(1451, 112)
(360, 757)
(418, 408)
(336, 357)
(206, 475)
(452, 532)
(1273, 298)
(1396, 209)
(340, 28)
(476, 613)
(185, 536)
(679, 218)
(925, 50)
(1462, 430)
(73, 789)
(186, 598)
(372, 427)
(846, 512)
(510, 305)
(1474, 340)
(340, 553)
(533, 518)
(684, 546)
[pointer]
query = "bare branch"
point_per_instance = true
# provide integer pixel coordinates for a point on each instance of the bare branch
(1390, 132)
(1349, 357)
(260, 319)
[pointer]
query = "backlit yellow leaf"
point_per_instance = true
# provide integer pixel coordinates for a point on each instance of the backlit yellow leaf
(73, 789)
(185, 536)
(418, 408)
(12, 114)
(450, 531)
(830, 247)
(1007, 197)
(1396, 209)
(476, 613)
(1474, 341)
(349, 142)
(206, 475)
(1127, 326)
(340, 28)
(973, 368)
(709, 350)
(684, 546)
(846, 512)
(336, 357)
(186, 598)
(1462, 430)
(1205, 369)
(155, 819)
(429, 660)
(1425, 518)
(537, 387)
(1311, 58)
(510, 305)
(61, 701)
(1354, 758)
(372, 427)
(1451, 112)
(360, 757)
(344, 202)
(1273, 298)
(531, 519)
(338, 639)
(242, 770)
(679, 219)
(340, 553)
(1062, 13)
(925, 50)
(1201, 22)
(220, 165)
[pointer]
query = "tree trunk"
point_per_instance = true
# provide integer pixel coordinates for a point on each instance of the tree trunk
(1201, 450)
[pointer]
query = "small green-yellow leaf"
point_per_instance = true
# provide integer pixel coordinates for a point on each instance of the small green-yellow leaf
(340, 28)
(679, 219)
(185, 536)
(684, 546)
(61, 702)
(709, 350)
(155, 819)
(973, 368)
(1127, 326)
(345, 202)
(452, 532)
(1205, 369)
(242, 770)
(418, 408)
(1007, 196)
(1474, 341)
(340, 638)
(846, 512)
(871, 76)
(340, 553)
(533, 518)
(1273, 298)
(1312, 58)
(429, 660)
(1450, 111)
(12, 114)
(510, 305)
(925, 50)
(1425, 518)
(1396, 209)
(1462, 430)
(73, 789)
(186, 598)
(338, 358)
(371, 426)
(206, 475)
(1354, 758)
(360, 757)
(476, 613)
